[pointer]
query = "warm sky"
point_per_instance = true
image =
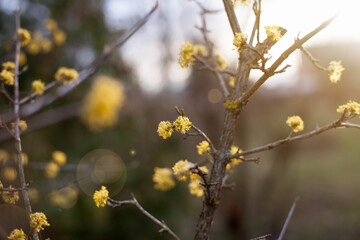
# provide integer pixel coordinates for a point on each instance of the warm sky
(297, 16)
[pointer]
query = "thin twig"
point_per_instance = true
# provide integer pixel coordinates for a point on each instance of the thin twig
(214, 69)
(16, 127)
(314, 61)
(350, 125)
(33, 95)
(283, 230)
(262, 237)
(335, 124)
(5, 93)
(133, 201)
(202, 134)
(257, 12)
(297, 44)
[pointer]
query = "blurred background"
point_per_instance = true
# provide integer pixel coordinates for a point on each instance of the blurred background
(323, 171)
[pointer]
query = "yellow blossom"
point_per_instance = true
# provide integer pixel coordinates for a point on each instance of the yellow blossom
(22, 58)
(203, 147)
(51, 25)
(4, 156)
(231, 104)
(59, 37)
(181, 169)
(182, 124)
(52, 170)
(232, 81)
(234, 161)
(59, 157)
(10, 197)
(296, 123)
(165, 129)
(65, 75)
(17, 234)
(240, 41)
(200, 50)
(100, 197)
(186, 57)
(220, 61)
(9, 66)
(163, 179)
(46, 45)
(195, 186)
(9, 173)
(24, 36)
(102, 104)
(7, 77)
(243, 2)
(38, 221)
(273, 32)
(351, 108)
(335, 70)
(22, 126)
(33, 48)
(38, 87)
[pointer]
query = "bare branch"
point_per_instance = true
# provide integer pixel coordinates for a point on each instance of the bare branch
(17, 119)
(133, 201)
(214, 69)
(297, 44)
(257, 12)
(234, 23)
(314, 61)
(336, 124)
(283, 230)
(33, 95)
(262, 237)
(350, 125)
(202, 134)
(5, 93)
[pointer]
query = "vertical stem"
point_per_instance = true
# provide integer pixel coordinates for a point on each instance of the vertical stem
(17, 119)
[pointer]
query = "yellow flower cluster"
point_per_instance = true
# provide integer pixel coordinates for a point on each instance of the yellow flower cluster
(243, 2)
(165, 129)
(39, 44)
(4, 156)
(53, 167)
(38, 87)
(66, 75)
(231, 104)
(181, 169)
(220, 61)
(351, 108)
(58, 35)
(7, 77)
(10, 197)
(240, 41)
(296, 123)
(17, 234)
(24, 36)
(102, 103)
(203, 147)
(9, 66)
(182, 124)
(273, 32)
(234, 161)
(195, 186)
(100, 197)
(9, 173)
(38, 221)
(59, 157)
(200, 50)
(335, 69)
(232, 81)
(163, 179)
(22, 126)
(186, 57)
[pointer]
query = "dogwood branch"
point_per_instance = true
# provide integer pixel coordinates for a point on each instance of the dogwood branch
(133, 201)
